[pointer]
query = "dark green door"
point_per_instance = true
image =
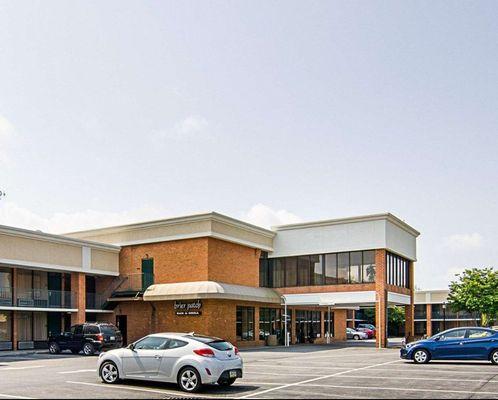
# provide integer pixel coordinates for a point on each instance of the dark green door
(54, 289)
(147, 273)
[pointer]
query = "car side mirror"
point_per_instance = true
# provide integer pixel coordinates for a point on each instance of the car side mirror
(436, 339)
(131, 347)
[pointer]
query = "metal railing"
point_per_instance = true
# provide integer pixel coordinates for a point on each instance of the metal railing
(5, 296)
(95, 301)
(43, 298)
(135, 282)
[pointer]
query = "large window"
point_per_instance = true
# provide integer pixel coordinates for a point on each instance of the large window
(318, 269)
(398, 271)
(5, 287)
(245, 323)
(270, 322)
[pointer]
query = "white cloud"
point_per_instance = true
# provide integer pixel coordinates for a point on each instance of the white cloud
(267, 217)
(194, 126)
(463, 242)
(14, 215)
(7, 132)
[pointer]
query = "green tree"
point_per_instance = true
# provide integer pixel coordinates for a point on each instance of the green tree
(476, 290)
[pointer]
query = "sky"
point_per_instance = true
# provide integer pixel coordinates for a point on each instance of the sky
(268, 111)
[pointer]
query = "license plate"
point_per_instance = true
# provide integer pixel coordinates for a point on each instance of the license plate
(233, 374)
(113, 337)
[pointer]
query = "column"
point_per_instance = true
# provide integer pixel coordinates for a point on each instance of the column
(14, 313)
(256, 324)
(428, 329)
(78, 297)
(340, 324)
(293, 326)
(380, 298)
(323, 315)
(409, 309)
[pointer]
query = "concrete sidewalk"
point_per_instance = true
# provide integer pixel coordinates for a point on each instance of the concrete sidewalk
(17, 353)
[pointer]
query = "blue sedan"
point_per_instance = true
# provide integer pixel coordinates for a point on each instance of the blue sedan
(455, 344)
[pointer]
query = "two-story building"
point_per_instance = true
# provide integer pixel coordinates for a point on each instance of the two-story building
(216, 275)
(47, 283)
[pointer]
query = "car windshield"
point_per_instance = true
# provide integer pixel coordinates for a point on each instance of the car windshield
(216, 343)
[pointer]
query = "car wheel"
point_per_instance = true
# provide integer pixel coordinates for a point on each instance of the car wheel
(189, 380)
(421, 356)
(227, 382)
(494, 357)
(356, 337)
(88, 349)
(53, 348)
(109, 372)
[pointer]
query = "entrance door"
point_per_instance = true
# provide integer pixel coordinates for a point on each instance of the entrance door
(147, 273)
(122, 325)
(54, 323)
(308, 326)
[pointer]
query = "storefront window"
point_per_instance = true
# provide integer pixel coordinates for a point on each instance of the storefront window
(329, 323)
(343, 268)
(245, 323)
(5, 326)
(368, 274)
(270, 323)
(308, 325)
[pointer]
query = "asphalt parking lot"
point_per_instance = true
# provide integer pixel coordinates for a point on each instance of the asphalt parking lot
(296, 372)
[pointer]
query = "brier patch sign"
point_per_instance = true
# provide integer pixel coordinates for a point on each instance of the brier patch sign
(188, 307)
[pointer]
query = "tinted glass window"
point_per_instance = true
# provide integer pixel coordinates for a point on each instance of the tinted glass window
(355, 269)
(77, 330)
(452, 335)
(290, 271)
(330, 269)
(221, 345)
(368, 273)
(343, 267)
(303, 271)
(478, 334)
(278, 273)
(91, 330)
(151, 343)
(175, 343)
(108, 329)
(316, 270)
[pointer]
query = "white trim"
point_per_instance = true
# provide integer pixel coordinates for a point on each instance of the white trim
(98, 311)
(196, 236)
(48, 237)
(35, 265)
(66, 310)
(362, 218)
(398, 298)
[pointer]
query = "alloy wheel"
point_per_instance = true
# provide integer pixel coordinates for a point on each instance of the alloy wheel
(88, 349)
(420, 356)
(189, 380)
(495, 357)
(109, 373)
(53, 348)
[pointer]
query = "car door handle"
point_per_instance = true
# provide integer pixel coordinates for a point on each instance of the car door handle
(157, 357)
(461, 343)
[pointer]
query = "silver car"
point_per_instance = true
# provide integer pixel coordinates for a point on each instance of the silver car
(185, 358)
(356, 335)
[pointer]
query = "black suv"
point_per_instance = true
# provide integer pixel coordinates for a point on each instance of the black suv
(88, 337)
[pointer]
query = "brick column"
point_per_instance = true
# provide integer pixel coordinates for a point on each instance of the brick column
(381, 298)
(409, 310)
(428, 328)
(293, 325)
(256, 324)
(322, 326)
(79, 296)
(340, 324)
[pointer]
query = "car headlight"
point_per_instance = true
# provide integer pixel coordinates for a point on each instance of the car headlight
(408, 345)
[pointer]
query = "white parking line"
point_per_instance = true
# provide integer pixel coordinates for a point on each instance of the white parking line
(275, 366)
(439, 371)
(113, 387)
(19, 368)
(77, 371)
(406, 389)
(313, 380)
(399, 378)
(277, 374)
(11, 396)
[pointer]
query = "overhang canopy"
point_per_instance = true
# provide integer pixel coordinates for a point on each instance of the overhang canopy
(210, 290)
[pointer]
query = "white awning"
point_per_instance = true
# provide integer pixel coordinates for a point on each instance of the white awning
(210, 290)
(334, 299)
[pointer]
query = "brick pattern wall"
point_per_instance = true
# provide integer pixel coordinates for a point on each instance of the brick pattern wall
(78, 288)
(381, 298)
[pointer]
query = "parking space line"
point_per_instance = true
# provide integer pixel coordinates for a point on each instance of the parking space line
(403, 378)
(277, 374)
(406, 389)
(173, 393)
(20, 368)
(439, 371)
(293, 367)
(313, 380)
(77, 371)
(12, 396)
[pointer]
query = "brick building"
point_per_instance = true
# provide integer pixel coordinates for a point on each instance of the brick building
(216, 275)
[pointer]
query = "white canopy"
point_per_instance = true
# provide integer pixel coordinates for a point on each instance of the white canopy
(210, 290)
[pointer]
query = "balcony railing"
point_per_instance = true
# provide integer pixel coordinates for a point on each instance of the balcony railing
(95, 301)
(135, 283)
(42, 298)
(5, 296)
